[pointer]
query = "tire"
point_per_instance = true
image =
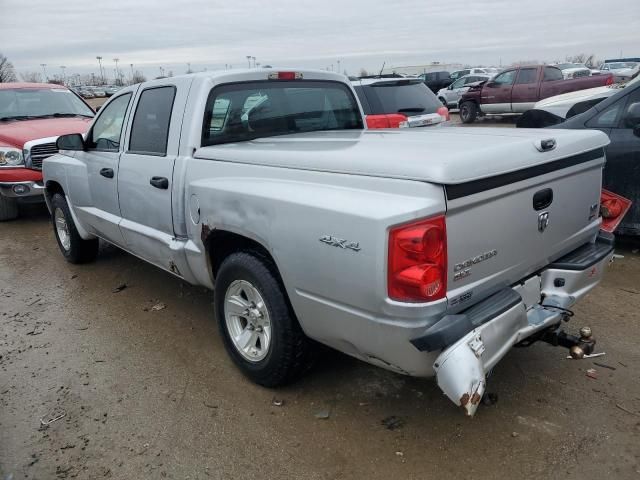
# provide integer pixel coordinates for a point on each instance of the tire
(443, 101)
(468, 112)
(8, 208)
(73, 247)
(287, 353)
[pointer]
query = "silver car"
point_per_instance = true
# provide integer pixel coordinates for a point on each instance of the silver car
(450, 96)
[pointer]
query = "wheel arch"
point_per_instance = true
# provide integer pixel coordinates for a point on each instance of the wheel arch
(51, 188)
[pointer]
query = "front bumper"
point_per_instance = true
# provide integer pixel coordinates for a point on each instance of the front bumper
(489, 329)
(27, 189)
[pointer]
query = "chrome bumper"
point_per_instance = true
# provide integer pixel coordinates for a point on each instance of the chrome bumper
(21, 189)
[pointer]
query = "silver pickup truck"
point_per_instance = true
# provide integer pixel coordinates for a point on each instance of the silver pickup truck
(429, 252)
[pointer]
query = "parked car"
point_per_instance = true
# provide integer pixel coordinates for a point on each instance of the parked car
(398, 102)
(473, 71)
(451, 95)
(109, 90)
(436, 80)
(619, 117)
(98, 91)
(85, 92)
(32, 115)
(389, 245)
(517, 90)
(573, 70)
(557, 109)
(621, 71)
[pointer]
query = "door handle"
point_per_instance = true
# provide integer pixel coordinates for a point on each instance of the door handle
(160, 182)
(106, 172)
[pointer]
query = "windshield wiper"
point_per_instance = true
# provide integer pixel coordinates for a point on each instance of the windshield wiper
(48, 115)
(17, 117)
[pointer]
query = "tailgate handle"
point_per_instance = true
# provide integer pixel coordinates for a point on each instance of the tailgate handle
(542, 199)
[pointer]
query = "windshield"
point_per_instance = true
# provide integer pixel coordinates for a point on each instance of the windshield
(617, 65)
(409, 97)
(23, 103)
(246, 111)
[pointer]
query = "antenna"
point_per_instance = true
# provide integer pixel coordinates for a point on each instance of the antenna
(383, 64)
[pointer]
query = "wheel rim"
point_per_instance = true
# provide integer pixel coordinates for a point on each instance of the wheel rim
(247, 320)
(62, 229)
(464, 111)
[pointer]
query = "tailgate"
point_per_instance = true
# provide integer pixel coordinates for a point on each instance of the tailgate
(503, 228)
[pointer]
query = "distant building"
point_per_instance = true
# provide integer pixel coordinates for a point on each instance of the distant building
(418, 69)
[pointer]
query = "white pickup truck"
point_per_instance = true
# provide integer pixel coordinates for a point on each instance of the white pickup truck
(429, 252)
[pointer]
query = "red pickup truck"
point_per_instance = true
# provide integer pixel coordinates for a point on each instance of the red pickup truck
(32, 116)
(517, 89)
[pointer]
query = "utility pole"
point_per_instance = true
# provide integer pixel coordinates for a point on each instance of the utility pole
(44, 71)
(254, 61)
(131, 65)
(64, 78)
(99, 58)
(189, 67)
(249, 60)
(118, 79)
(339, 71)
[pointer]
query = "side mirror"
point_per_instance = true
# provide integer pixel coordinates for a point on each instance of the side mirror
(632, 116)
(72, 141)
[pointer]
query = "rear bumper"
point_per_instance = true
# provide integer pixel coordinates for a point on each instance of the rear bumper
(26, 189)
(490, 328)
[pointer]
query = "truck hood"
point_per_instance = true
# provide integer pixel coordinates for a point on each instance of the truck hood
(17, 132)
(444, 155)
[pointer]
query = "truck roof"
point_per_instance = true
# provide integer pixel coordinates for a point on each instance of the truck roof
(234, 75)
(12, 85)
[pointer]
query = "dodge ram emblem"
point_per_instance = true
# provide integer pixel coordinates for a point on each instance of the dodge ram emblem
(543, 221)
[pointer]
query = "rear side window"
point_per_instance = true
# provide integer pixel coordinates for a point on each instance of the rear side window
(527, 75)
(409, 97)
(551, 73)
(245, 111)
(150, 130)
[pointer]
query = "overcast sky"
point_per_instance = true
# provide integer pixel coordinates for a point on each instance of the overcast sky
(358, 33)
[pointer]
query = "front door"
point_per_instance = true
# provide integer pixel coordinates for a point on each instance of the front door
(496, 93)
(145, 178)
(95, 199)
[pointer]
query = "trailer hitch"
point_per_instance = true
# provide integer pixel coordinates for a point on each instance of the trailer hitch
(578, 346)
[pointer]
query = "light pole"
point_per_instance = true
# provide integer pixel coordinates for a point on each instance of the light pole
(254, 61)
(99, 58)
(44, 71)
(131, 65)
(339, 67)
(64, 78)
(118, 80)
(249, 60)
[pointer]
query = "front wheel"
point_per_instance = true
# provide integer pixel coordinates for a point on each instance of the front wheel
(8, 208)
(257, 324)
(74, 248)
(468, 112)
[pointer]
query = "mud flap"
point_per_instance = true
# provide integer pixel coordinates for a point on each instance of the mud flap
(460, 372)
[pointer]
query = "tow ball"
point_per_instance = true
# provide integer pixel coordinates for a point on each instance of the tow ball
(578, 346)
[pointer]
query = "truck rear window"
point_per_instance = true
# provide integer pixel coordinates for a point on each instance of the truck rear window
(246, 111)
(410, 97)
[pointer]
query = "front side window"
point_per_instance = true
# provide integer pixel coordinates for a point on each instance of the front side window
(150, 129)
(505, 78)
(107, 129)
(246, 111)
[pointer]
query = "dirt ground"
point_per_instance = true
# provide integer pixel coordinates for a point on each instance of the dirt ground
(151, 393)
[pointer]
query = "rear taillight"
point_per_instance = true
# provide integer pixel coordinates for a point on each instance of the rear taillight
(392, 120)
(613, 208)
(417, 269)
(609, 80)
(443, 112)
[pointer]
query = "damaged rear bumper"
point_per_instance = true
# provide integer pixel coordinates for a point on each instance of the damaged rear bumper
(474, 341)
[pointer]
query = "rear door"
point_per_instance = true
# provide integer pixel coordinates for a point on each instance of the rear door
(524, 94)
(496, 94)
(552, 82)
(145, 178)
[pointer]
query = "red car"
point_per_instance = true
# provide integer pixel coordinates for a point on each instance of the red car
(517, 89)
(32, 116)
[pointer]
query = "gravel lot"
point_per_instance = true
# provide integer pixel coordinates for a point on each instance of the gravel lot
(151, 393)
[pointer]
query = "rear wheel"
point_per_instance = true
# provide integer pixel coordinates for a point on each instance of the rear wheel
(257, 324)
(468, 112)
(8, 208)
(74, 248)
